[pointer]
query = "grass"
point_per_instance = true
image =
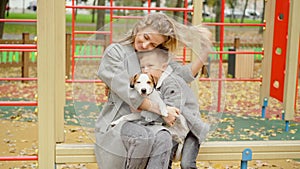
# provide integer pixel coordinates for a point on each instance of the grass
(85, 20)
(19, 28)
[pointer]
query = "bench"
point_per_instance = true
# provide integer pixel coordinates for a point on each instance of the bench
(209, 151)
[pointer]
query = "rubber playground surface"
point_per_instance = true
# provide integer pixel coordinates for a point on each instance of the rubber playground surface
(240, 120)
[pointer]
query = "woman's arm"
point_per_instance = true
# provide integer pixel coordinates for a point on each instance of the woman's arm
(113, 72)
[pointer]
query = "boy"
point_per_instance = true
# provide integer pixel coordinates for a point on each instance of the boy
(176, 92)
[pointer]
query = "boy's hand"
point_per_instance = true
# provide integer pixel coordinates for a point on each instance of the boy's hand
(173, 113)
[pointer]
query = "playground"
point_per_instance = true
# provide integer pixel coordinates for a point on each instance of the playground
(260, 122)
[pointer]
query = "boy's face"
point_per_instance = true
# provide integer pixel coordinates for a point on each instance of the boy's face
(150, 64)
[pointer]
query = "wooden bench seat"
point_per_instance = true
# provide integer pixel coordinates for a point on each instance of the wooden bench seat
(209, 151)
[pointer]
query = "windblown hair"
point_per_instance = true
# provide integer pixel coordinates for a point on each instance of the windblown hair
(195, 37)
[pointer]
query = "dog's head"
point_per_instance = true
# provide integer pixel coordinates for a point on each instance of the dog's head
(143, 83)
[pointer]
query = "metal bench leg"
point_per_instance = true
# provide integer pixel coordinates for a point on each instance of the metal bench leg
(246, 156)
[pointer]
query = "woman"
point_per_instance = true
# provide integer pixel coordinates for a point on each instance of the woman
(138, 144)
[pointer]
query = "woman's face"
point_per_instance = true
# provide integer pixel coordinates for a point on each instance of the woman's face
(148, 39)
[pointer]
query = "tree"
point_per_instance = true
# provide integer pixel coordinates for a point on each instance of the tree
(178, 5)
(93, 12)
(232, 4)
(262, 17)
(218, 19)
(100, 18)
(244, 11)
(3, 4)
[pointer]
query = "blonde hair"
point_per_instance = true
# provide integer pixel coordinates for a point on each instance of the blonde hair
(196, 38)
(163, 24)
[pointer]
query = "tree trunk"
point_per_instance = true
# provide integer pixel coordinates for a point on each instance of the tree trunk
(3, 4)
(262, 18)
(244, 11)
(218, 19)
(100, 19)
(176, 13)
(93, 12)
(157, 4)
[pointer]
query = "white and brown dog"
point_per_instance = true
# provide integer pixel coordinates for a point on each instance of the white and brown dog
(145, 85)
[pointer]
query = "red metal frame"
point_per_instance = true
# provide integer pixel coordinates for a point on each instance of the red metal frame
(279, 42)
(18, 158)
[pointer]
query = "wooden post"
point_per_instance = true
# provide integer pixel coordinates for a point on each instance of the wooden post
(25, 56)
(197, 20)
(51, 78)
(236, 43)
(267, 58)
(290, 80)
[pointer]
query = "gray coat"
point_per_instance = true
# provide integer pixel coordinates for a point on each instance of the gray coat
(119, 63)
(175, 92)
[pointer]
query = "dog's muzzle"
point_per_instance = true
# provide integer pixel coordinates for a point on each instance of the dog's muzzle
(144, 91)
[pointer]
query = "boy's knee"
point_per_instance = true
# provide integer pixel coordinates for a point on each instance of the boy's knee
(163, 141)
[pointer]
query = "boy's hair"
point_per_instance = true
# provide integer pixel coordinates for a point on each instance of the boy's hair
(160, 52)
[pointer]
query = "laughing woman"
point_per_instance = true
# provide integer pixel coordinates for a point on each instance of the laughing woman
(137, 144)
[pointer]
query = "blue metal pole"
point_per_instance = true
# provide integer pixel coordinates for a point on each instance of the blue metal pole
(287, 123)
(263, 109)
(244, 164)
(246, 156)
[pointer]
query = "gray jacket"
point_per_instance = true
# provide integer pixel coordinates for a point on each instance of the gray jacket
(175, 92)
(118, 64)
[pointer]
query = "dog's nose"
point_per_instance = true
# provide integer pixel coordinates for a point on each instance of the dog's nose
(143, 90)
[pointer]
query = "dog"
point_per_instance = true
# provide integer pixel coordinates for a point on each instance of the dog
(145, 85)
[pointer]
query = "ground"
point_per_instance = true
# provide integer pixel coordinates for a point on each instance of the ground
(20, 138)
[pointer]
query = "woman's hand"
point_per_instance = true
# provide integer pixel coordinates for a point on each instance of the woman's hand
(173, 112)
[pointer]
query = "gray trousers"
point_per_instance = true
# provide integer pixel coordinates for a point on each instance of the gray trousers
(189, 152)
(145, 147)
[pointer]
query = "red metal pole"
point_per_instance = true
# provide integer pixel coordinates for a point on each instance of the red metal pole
(18, 46)
(17, 20)
(92, 32)
(84, 81)
(111, 21)
(232, 79)
(129, 8)
(149, 5)
(19, 158)
(73, 40)
(18, 103)
(185, 22)
(17, 79)
(234, 24)
(221, 56)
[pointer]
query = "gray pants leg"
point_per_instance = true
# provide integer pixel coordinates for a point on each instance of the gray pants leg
(145, 149)
(161, 151)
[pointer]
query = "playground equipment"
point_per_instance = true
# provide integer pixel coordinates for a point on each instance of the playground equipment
(51, 81)
(280, 72)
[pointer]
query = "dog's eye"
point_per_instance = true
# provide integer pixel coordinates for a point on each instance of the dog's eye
(148, 82)
(138, 82)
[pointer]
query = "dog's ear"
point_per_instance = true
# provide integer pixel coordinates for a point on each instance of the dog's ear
(154, 80)
(133, 80)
